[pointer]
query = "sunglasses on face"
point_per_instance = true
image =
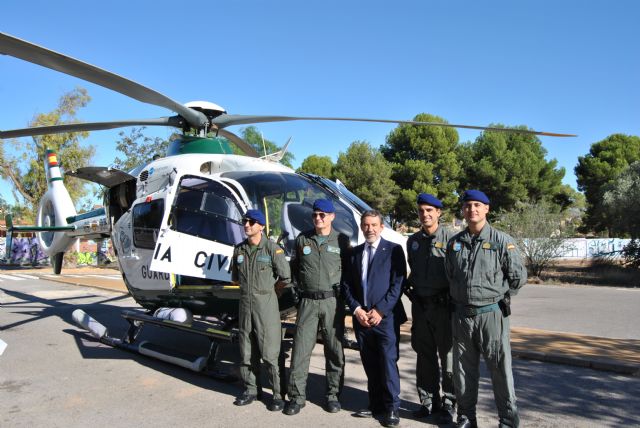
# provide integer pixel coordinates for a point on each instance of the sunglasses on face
(249, 220)
(321, 215)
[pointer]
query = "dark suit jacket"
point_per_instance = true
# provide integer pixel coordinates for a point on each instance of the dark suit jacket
(385, 278)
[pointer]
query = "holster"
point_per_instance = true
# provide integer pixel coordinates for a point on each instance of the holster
(505, 305)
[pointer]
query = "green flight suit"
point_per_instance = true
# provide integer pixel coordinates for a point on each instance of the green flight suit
(481, 270)
(317, 267)
(431, 326)
(256, 269)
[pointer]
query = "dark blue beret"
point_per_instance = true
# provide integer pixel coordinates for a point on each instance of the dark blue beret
(324, 205)
(475, 195)
(256, 215)
(426, 198)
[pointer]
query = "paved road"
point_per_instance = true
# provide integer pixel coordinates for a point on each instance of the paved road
(52, 374)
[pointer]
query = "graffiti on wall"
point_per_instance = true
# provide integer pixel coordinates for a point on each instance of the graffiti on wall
(581, 248)
(23, 251)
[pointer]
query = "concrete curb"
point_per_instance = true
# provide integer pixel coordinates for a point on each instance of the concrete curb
(629, 369)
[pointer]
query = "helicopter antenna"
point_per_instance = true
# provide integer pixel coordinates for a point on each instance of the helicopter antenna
(264, 147)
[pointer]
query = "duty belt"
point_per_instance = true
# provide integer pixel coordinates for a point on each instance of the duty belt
(318, 295)
(436, 299)
(472, 311)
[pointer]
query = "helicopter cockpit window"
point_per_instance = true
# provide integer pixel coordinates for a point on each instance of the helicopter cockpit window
(147, 217)
(287, 201)
(206, 209)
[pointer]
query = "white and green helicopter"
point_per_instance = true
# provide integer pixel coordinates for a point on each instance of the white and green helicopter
(174, 221)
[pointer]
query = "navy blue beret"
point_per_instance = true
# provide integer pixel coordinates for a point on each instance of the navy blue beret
(256, 215)
(426, 198)
(475, 195)
(324, 205)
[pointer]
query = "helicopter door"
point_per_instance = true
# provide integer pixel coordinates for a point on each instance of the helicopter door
(197, 238)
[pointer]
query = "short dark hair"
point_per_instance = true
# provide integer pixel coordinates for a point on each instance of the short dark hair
(371, 213)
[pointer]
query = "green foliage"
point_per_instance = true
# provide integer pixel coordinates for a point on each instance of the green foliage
(631, 254)
(620, 205)
(252, 136)
(601, 166)
(539, 232)
(138, 149)
(424, 159)
(511, 168)
(366, 173)
(320, 165)
(26, 170)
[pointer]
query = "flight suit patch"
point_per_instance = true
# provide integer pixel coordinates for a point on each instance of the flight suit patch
(457, 246)
(510, 247)
(439, 245)
(415, 245)
(332, 249)
(265, 259)
(240, 259)
(306, 250)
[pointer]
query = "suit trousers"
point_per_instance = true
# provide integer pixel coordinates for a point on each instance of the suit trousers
(379, 354)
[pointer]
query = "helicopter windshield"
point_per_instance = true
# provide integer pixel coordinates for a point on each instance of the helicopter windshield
(208, 210)
(287, 201)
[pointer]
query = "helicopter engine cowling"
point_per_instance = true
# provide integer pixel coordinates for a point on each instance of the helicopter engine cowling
(54, 208)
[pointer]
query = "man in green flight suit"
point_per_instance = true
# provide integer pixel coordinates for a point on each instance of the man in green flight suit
(259, 267)
(317, 266)
(431, 326)
(484, 269)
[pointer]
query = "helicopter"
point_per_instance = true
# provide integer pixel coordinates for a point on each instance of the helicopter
(175, 220)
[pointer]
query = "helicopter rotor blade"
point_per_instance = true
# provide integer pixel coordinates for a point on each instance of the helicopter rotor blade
(243, 145)
(225, 120)
(30, 52)
(175, 121)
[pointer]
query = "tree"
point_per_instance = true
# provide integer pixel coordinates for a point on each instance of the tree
(511, 168)
(26, 171)
(539, 231)
(252, 136)
(620, 202)
(424, 159)
(601, 166)
(367, 174)
(138, 149)
(320, 165)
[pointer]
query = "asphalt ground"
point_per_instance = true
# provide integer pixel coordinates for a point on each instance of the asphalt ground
(617, 355)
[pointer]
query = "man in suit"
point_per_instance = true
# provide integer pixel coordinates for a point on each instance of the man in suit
(372, 288)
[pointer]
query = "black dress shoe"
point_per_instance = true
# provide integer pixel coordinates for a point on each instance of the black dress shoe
(276, 405)
(422, 412)
(292, 408)
(445, 414)
(391, 419)
(244, 399)
(364, 413)
(465, 422)
(333, 406)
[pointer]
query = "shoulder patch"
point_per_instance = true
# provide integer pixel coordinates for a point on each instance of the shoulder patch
(279, 251)
(486, 245)
(456, 246)
(439, 245)
(510, 246)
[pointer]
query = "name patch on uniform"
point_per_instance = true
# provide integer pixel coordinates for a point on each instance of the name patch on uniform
(439, 245)
(415, 245)
(266, 259)
(332, 249)
(240, 259)
(457, 246)
(306, 250)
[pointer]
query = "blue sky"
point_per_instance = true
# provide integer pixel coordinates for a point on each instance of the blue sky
(558, 66)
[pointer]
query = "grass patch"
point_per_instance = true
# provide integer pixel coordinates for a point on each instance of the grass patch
(601, 272)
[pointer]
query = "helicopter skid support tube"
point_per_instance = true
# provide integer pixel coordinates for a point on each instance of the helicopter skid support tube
(194, 327)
